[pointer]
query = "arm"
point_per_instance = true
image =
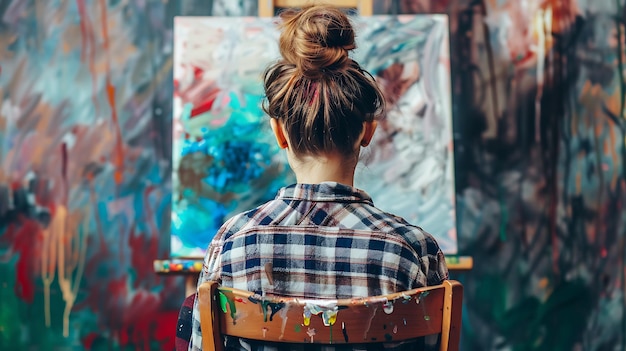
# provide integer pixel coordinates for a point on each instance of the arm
(431, 259)
(437, 268)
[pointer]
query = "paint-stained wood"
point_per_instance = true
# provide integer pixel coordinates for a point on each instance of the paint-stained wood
(209, 318)
(393, 317)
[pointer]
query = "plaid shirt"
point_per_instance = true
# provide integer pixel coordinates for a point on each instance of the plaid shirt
(320, 241)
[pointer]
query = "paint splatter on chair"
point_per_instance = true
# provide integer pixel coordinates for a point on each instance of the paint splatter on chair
(390, 318)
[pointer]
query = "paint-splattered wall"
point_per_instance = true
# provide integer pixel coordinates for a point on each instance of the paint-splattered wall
(84, 175)
(84, 170)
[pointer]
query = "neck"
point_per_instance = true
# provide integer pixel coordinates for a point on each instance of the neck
(327, 168)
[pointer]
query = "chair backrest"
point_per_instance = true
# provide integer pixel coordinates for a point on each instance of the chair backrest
(267, 8)
(389, 318)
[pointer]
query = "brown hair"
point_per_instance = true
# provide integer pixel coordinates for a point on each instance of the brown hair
(320, 95)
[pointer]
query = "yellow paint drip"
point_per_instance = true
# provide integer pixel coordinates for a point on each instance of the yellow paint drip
(329, 318)
(328, 314)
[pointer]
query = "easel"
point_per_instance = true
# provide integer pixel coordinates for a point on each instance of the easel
(267, 8)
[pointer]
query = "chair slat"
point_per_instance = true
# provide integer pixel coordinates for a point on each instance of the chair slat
(394, 317)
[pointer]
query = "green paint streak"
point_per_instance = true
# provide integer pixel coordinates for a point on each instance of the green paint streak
(223, 302)
(230, 301)
(331, 333)
(17, 316)
(264, 305)
(297, 328)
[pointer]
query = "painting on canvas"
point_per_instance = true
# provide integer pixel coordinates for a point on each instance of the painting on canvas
(225, 159)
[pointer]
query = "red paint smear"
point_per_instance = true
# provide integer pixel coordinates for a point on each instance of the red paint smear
(202, 108)
(26, 238)
(164, 329)
(160, 327)
(144, 250)
(133, 315)
(88, 340)
(143, 303)
(198, 72)
(145, 247)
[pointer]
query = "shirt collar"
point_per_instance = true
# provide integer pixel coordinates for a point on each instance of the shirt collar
(325, 191)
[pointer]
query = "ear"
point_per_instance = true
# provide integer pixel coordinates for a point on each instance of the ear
(368, 132)
(279, 133)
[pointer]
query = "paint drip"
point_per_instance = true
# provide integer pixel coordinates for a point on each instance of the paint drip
(283, 315)
(329, 314)
(311, 333)
(273, 307)
(422, 296)
(388, 307)
(344, 331)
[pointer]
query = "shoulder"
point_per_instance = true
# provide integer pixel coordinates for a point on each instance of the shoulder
(237, 222)
(425, 247)
(420, 240)
(253, 217)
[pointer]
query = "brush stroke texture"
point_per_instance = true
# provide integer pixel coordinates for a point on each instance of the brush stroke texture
(226, 159)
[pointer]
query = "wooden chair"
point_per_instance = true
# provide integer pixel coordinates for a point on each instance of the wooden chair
(390, 318)
(267, 8)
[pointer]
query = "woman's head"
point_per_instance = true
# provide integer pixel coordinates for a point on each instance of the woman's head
(321, 97)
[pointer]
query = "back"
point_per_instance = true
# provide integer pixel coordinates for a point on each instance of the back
(319, 262)
(326, 241)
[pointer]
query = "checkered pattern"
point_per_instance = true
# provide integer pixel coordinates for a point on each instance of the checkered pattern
(320, 241)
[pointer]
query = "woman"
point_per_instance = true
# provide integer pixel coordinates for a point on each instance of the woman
(320, 238)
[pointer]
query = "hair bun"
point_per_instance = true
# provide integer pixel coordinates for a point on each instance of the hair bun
(316, 39)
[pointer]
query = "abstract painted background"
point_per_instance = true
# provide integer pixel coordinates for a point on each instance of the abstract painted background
(85, 139)
(225, 157)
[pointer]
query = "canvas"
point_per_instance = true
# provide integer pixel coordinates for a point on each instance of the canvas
(225, 159)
